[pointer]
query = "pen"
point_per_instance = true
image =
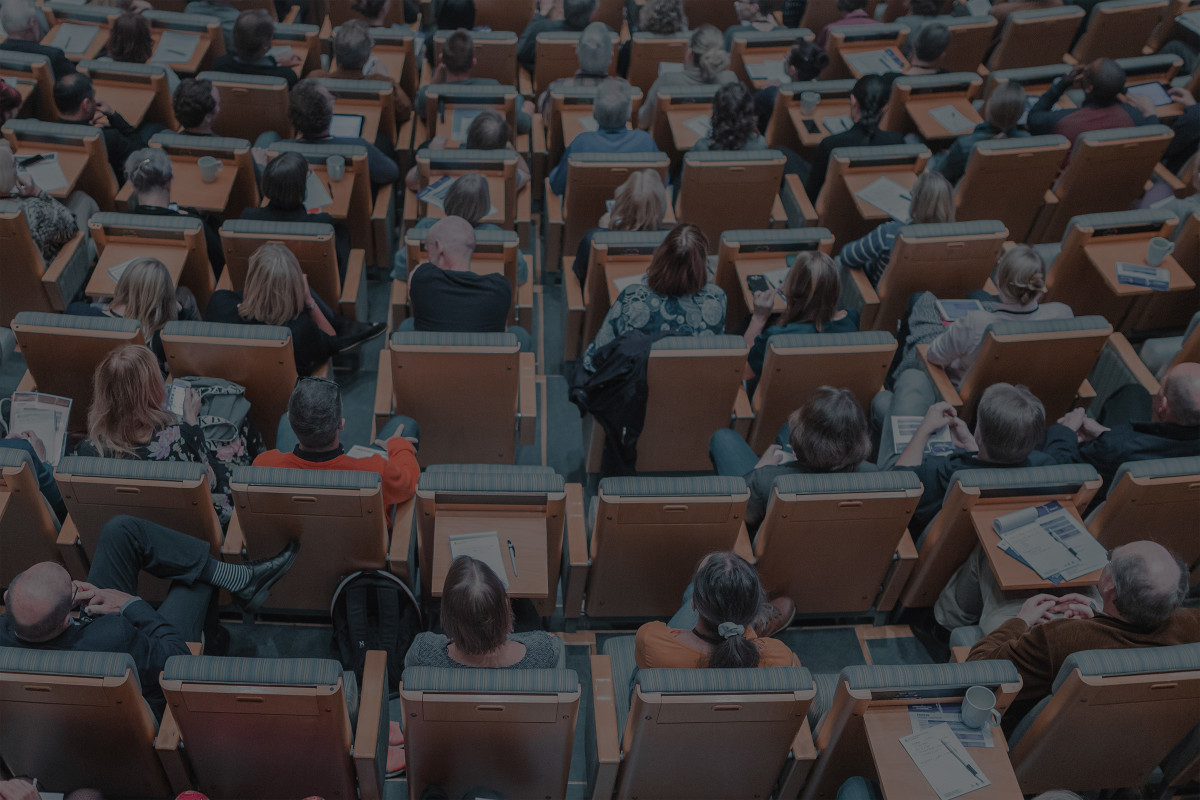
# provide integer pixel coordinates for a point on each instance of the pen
(958, 758)
(512, 555)
(33, 159)
(1059, 539)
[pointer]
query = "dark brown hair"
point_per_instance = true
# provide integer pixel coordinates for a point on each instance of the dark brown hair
(129, 39)
(476, 614)
(285, 180)
(830, 433)
(252, 34)
(811, 290)
(458, 52)
(679, 266)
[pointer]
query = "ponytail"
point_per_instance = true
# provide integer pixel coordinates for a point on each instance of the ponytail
(872, 93)
(728, 597)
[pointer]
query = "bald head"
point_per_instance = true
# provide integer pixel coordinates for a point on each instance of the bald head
(39, 601)
(1103, 80)
(1178, 400)
(451, 243)
(1145, 584)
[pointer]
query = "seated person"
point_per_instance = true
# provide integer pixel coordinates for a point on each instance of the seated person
(455, 63)
(753, 15)
(449, 15)
(30, 443)
(129, 41)
(39, 601)
(1001, 117)
(552, 15)
(926, 46)
(594, 51)
(639, 204)
(252, 35)
(284, 186)
(51, 224)
(1103, 85)
(477, 618)
(854, 12)
(315, 423)
(150, 173)
(705, 63)
(1186, 132)
(23, 26)
(612, 108)
(352, 46)
(725, 621)
(660, 17)
(488, 131)
(829, 433)
(277, 293)
(868, 101)
(1010, 431)
(734, 125)
(470, 198)
(10, 102)
(196, 103)
(445, 295)
(804, 62)
(932, 202)
(675, 297)
(377, 13)
(128, 419)
(75, 98)
(145, 293)
(919, 13)
(811, 292)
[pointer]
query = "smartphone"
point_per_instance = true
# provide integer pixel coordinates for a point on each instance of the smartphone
(758, 283)
(176, 397)
(811, 126)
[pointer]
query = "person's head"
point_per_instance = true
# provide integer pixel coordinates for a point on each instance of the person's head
(75, 96)
(925, 8)
(275, 292)
(149, 170)
(129, 39)
(830, 432)
(868, 99)
(1005, 106)
(352, 44)
(804, 61)
(454, 14)
(8, 168)
(146, 293)
(315, 413)
(639, 203)
(21, 20)
(451, 243)
(1020, 275)
(594, 49)
(375, 11)
(1102, 81)
(613, 104)
(197, 103)
(811, 289)
(310, 109)
(1143, 584)
(1178, 398)
(706, 52)
(38, 602)
(848, 6)
(930, 42)
(578, 13)
(662, 17)
(1010, 423)
(932, 199)
(728, 597)
(469, 198)
(128, 396)
(488, 131)
(252, 34)
(476, 614)
(751, 10)
(734, 122)
(285, 180)
(679, 266)
(10, 102)
(458, 52)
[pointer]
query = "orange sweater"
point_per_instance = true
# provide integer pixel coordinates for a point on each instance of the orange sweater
(399, 470)
(658, 646)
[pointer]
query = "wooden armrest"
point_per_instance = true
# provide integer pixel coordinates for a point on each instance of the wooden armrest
(902, 568)
(354, 290)
(743, 414)
(58, 266)
(170, 754)
(555, 229)
(742, 546)
(290, 17)
(383, 224)
(413, 209)
(402, 525)
(1050, 198)
(195, 648)
(576, 556)
(804, 757)
(808, 214)
(1124, 351)
(941, 381)
(608, 738)
(959, 653)
(70, 550)
(225, 281)
(235, 541)
(372, 695)
(527, 399)
(397, 304)
(576, 309)
(383, 384)
(27, 384)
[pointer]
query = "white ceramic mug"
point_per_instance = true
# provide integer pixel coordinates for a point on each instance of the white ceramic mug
(1158, 249)
(336, 167)
(979, 707)
(209, 167)
(809, 102)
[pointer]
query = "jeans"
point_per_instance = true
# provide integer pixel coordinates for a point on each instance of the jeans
(912, 396)
(286, 441)
(523, 337)
(730, 454)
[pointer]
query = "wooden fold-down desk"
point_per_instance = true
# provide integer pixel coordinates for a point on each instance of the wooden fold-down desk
(192, 192)
(527, 532)
(1104, 255)
(1011, 574)
(101, 283)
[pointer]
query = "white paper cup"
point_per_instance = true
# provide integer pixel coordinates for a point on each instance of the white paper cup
(336, 167)
(809, 102)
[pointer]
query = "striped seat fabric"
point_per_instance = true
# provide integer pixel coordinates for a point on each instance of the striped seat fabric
(490, 681)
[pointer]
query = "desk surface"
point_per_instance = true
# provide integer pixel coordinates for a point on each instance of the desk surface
(1011, 574)
(192, 192)
(71, 160)
(366, 109)
(497, 192)
(1104, 256)
(94, 46)
(573, 122)
(931, 130)
(859, 181)
(678, 117)
(850, 48)
(527, 578)
(192, 64)
(130, 100)
(101, 283)
(746, 267)
(828, 107)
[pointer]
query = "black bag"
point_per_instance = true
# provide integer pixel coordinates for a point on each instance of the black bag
(374, 610)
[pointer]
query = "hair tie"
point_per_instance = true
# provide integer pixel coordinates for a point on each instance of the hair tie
(728, 630)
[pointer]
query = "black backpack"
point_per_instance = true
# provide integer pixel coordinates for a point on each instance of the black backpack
(374, 610)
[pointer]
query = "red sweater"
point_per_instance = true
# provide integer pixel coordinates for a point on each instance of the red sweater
(399, 470)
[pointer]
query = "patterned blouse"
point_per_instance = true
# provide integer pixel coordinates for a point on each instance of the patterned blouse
(51, 223)
(639, 309)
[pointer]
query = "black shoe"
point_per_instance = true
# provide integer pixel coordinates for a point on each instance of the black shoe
(932, 636)
(216, 641)
(263, 575)
(353, 333)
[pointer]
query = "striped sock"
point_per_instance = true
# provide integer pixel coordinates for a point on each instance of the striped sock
(233, 577)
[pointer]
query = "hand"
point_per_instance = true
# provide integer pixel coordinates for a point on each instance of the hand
(528, 107)
(38, 447)
(106, 601)
(1073, 419)
(439, 74)
(84, 592)
(1038, 609)
(771, 457)
(99, 119)
(1075, 74)
(1075, 606)
(605, 220)
(1143, 104)
(18, 790)
(764, 303)
(25, 186)
(1182, 96)
(960, 435)
(439, 142)
(937, 417)
(291, 61)
(260, 156)
(1090, 430)
(191, 406)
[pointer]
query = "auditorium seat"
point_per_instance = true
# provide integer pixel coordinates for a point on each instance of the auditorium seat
(80, 150)
(674, 107)
(1007, 179)
(207, 30)
(250, 105)
(396, 49)
(754, 252)
(498, 166)
(31, 75)
(444, 100)
(373, 100)
(556, 57)
(177, 241)
(693, 734)
(138, 92)
(847, 40)
(746, 183)
(852, 169)
(750, 48)
(1117, 29)
(648, 50)
(495, 53)
(97, 18)
(569, 107)
(970, 39)
(915, 96)
(28, 527)
(260, 728)
(819, 13)
(787, 120)
(615, 256)
(1030, 38)
(1175, 309)
(30, 284)
(717, 13)
(235, 155)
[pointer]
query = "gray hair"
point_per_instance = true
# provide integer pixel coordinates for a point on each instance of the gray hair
(613, 104)
(594, 49)
(15, 14)
(352, 45)
(1135, 595)
(148, 168)
(315, 412)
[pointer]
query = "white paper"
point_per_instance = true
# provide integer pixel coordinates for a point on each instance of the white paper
(889, 197)
(175, 48)
(116, 271)
(979, 8)
(957, 309)
(1030, 102)
(701, 126)
(776, 277)
(348, 126)
(903, 429)
(1055, 545)
(951, 119)
(589, 123)
(841, 122)
(628, 280)
(484, 546)
(944, 762)
(767, 71)
(669, 66)
(44, 415)
(435, 194)
(1045, 554)
(463, 117)
(74, 39)
(47, 173)
(925, 716)
(875, 62)
(280, 52)
(316, 193)
(359, 451)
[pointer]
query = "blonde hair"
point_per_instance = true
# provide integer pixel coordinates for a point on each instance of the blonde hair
(127, 401)
(1021, 275)
(1005, 106)
(147, 295)
(640, 203)
(707, 47)
(932, 199)
(274, 292)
